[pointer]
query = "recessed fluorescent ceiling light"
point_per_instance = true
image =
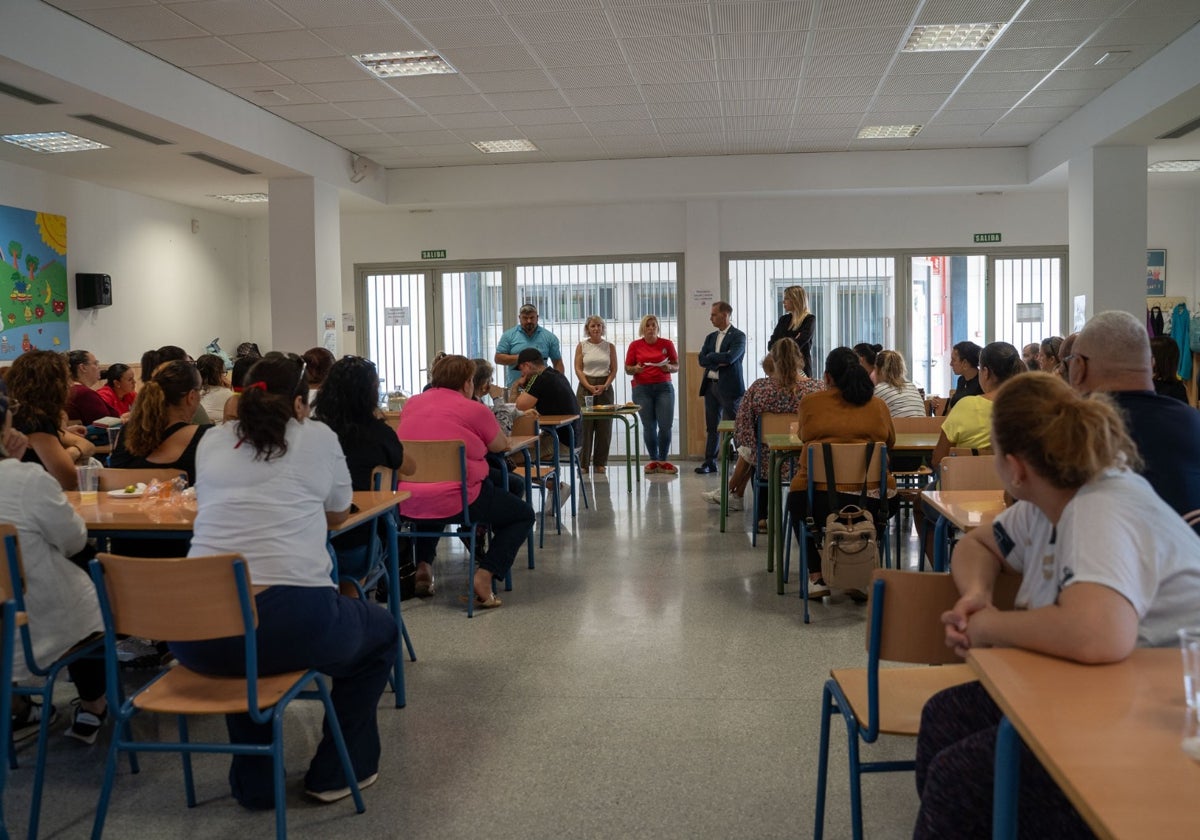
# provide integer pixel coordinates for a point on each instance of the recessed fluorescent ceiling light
(505, 146)
(952, 36)
(244, 198)
(404, 63)
(52, 142)
(1174, 166)
(880, 132)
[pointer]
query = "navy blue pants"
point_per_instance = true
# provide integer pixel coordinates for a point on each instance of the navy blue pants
(509, 517)
(353, 642)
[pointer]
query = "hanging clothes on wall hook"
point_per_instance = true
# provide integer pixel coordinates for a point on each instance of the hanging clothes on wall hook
(1154, 321)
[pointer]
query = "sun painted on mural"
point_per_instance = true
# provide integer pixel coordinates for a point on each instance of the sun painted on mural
(33, 282)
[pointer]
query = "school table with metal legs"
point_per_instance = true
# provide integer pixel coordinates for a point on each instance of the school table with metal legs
(558, 421)
(725, 430)
(633, 455)
(522, 444)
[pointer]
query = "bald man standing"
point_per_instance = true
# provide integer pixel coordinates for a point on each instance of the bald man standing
(1112, 355)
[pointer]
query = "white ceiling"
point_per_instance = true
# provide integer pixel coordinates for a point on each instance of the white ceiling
(608, 79)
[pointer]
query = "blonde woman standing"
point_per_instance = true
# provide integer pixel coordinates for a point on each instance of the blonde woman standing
(797, 323)
(596, 368)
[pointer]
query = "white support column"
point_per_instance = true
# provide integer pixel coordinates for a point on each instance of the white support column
(1107, 228)
(701, 271)
(305, 248)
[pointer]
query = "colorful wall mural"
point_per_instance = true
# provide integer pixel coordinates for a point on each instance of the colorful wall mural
(33, 282)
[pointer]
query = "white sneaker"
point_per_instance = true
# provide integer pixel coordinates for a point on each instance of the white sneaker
(735, 502)
(712, 496)
(564, 494)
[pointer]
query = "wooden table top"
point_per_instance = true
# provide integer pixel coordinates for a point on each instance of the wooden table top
(915, 441)
(519, 442)
(966, 509)
(610, 412)
(784, 443)
(1109, 735)
(556, 420)
(123, 514)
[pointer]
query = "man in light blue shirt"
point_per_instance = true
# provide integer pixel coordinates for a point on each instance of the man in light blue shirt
(526, 334)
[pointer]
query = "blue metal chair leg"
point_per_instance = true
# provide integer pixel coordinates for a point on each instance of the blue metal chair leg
(1005, 787)
(822, 764)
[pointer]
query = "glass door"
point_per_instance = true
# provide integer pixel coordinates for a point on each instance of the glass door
(948, 302)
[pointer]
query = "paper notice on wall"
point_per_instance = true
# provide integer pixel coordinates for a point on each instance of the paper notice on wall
(703, 298)
(329, 341)
(396, 316)
(348, 321)
(1080, 313)
(1029, 313)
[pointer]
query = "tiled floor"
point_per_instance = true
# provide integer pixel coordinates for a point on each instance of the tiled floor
(644, 681)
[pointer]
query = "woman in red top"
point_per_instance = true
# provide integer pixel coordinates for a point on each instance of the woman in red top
(651, 360)
(119, 390)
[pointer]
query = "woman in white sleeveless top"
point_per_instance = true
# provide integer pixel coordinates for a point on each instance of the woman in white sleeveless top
(595, 367)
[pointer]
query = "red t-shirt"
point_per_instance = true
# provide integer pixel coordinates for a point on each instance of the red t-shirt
(653, 356)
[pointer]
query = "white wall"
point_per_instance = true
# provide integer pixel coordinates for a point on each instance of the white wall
(170, 286)
(1174, 224)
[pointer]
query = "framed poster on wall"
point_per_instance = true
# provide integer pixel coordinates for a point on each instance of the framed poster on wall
(33, 282)
(1156, 273)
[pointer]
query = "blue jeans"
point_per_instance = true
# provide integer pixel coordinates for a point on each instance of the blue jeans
(352, 641)
(656, 408)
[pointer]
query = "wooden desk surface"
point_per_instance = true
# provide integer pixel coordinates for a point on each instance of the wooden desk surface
(519, 442)
(915, 441)
(609, 412)
(966, 509)
(116, 514)
(785, 443)
(1108, 734)
(556, 420)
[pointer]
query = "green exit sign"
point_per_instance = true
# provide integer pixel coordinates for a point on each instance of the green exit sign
(987, 237)
(441, 255)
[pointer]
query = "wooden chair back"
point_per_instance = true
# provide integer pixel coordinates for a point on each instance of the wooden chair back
(775, 423)
(182, 599)
(524, 426)
(969, 472)
(968, 452)
(384, 478)
(911, 628)
(917, 425)
(436, 460)
(850, 466)
(113, 479)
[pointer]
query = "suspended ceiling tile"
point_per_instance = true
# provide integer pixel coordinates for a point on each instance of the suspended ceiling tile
(848, 120)
(575, 147)
(356, 142)
(510, 7)
(759, 107)
(75, 5)
(810, 133)
(1071, 9)
(363, 91)
(585, 97)
(550, 27)
(438, 105)
(525, 100)
(921, 84)
(511, 80)
(762, 16)
(426, 138)
(448, 150)
(613, 113)
(953, 132)
(897, 117)
(675, 72)
(241, 75)
(1060, 98)
(979, 101)
(935, 62)
(865, 13)
(1017, 132)
(685, 110)
(882, 145)
(632, 143)
(693, 92)
(228, 17)
(195, 52)
(733, 70)
(480, 119)
(341, 69)
(927, 102)
(839, 86)
(419, 87)
(977, 116)
(542, 116)
(832, 104)
(693, 144)
(552, 131)
(594, 76)
(687, 48)
(317, 13)
(308, 113)
(1097, 77)
(1035, 59)
(369, 38)
(578, 53)
(690, 126)
(278, 95)
(967, 11)
(872, 66)
(138, 23)
(878, 39)
(759, 123)
(1152, 31)
(490, 59)
(601, 129)
(466, 32)
(1021, 81)
(1043, 33)
(1038, 115)
(759, 89)
(380, 109)
(761, 44)
(638, 21)
(283, 46)
(1087, 57)
(420, 9)
(343, 128)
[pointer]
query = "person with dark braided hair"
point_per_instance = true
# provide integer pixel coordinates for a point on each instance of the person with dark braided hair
(268, 487)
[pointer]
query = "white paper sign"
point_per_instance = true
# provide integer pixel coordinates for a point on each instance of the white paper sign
(1029, 313)
(396, 316)
(703, 298)
(1080, 313)
(348, 321)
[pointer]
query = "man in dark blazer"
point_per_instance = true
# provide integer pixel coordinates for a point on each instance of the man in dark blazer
(721, 385)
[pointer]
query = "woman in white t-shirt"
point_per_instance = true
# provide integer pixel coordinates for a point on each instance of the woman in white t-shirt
(268, 487)
(1106, 566)
(595, 368)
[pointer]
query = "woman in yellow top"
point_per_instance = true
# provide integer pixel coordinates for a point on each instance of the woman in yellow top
(969, 423)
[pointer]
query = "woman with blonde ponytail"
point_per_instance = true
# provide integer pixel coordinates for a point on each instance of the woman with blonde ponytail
(1106, 566)
(160, 431)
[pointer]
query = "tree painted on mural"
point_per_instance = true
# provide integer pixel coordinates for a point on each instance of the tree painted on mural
(36, 297)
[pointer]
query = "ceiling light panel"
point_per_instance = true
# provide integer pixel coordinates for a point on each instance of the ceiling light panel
(388, 65)
(952, 36)
(498, 146)
(885, 132)
(52, 142)
(1175, 166)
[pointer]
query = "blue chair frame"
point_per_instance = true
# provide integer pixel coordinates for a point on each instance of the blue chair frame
(48, 673)
(8, 630)
(125, 708)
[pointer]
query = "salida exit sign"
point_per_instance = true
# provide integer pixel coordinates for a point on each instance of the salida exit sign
(987, 237)
(433, 255)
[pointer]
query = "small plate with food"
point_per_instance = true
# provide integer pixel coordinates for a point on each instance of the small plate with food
(132, 491)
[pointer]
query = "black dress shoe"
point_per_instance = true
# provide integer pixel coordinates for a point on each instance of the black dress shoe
(705, 469)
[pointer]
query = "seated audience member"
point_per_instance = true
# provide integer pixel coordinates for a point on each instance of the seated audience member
(38, 384)
(317, 362)
(964, 361)
(83, 403)
(445, 411)
(269, 487)
(969, 422)
(237, 377)
(847, 411)
(1029, 355)
(247, 350)
(1112, 356)
(60, 602)
(893, 387)
(1050, 354)
(496, 471)
(214, 390)
(160, 431)
(1106, 567)
(546, 391)
(867, 354)
(171, 353)
(779, 392)
(1164, 356)
(119, 390)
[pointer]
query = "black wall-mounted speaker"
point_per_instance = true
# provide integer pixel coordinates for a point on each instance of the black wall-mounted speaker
(92, 290)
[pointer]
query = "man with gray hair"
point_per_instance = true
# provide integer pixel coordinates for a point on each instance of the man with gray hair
(1112, 355)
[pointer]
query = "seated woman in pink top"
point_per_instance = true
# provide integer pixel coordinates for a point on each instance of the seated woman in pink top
(446, 411)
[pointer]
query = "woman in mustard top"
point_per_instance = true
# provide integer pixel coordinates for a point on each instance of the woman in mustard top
(969, 423)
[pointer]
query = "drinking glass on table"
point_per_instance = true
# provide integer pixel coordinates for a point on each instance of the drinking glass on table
(588, 403)
(1189, 647)
(114, 434)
